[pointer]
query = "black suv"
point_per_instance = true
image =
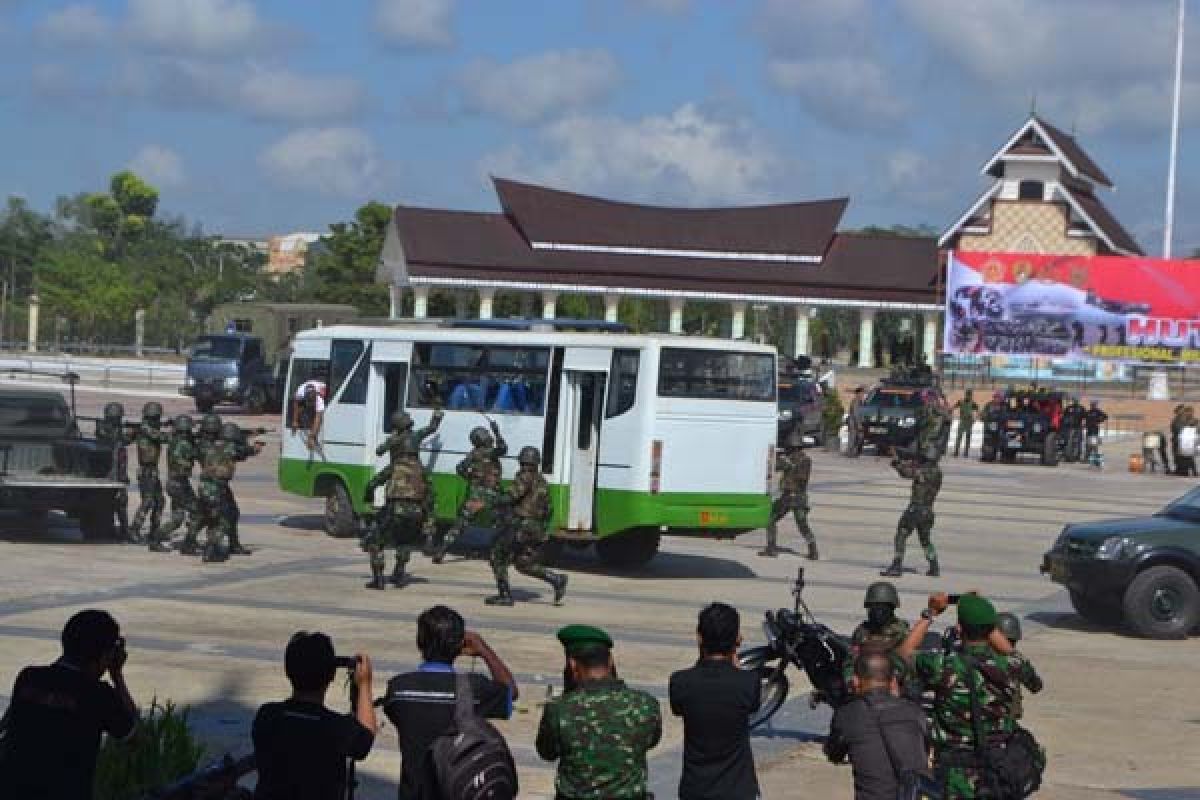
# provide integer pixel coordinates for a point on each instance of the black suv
(800, 406)
(888, 415)
(1143, 571)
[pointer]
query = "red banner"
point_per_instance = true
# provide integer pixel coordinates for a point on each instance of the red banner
(1103, 307)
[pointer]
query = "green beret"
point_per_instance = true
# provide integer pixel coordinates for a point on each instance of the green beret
(974, 609)
(574, 637)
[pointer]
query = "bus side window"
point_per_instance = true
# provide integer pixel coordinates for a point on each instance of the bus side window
(355, 392)
(394, 377)
(343, 355)
(303, 369)
(623, 392)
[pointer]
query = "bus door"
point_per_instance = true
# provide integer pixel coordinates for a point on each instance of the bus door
(582, 409)
(343, 431)
(389, 376)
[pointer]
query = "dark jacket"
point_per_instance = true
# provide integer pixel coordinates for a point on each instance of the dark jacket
(884, 736)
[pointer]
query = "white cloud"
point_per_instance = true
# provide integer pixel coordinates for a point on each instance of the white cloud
(342, 161)
(540, 86)
(76, 24)
(203, 27)
(283, 95)
(414, 23)
(847, 92)
(158, 165)
(685, 157)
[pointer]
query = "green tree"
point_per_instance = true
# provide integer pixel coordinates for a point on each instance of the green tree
(135, 197)
(345, 263)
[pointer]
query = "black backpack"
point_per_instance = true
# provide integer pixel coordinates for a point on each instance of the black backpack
(471, 760)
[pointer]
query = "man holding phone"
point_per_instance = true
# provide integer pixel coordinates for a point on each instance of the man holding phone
(58, 713)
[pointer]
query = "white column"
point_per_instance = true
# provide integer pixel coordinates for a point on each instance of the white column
(866, 337)
(800, 331)
(139, 331)
(549, 305)
(485, 303)
(929, 340)
(461, 306)
(395, 301)
(420, 302)
(34, 306)
(612, 305)
(737, 321)
(676, 323)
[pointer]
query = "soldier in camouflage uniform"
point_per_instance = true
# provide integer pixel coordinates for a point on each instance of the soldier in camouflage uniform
(206, 442)
(926, 479)
(523, 532)
(1028, 678)
(405, 515)
(218, 507)
(984, 666)
(149, 440)
(795, 467)
(882, 631)
(482, 472)
(181, 455)
(111, 434)
(404, 435)
(599, 730)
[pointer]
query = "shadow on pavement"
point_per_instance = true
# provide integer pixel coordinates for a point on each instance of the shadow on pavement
(664, 565)
(51, 527)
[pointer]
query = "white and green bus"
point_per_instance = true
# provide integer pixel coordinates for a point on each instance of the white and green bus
(640, 435)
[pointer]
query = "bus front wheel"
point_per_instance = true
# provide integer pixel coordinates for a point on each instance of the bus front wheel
(626, 550)
(339, 512)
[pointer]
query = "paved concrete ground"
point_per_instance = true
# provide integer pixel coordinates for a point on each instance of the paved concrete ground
(1119, 716)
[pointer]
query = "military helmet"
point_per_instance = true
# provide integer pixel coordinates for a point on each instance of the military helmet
(210, 425)
(1010, 625)
(401, 421)
(883, 593)
(529, 456)
(152, 410)
(481, 436)
(795, 438)
(114, 411)
(231, 432)
(183, 423)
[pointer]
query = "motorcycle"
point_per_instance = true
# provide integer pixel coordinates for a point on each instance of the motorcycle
(795, 638)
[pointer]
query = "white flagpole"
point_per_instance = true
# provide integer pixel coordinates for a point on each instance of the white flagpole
(1168, 228)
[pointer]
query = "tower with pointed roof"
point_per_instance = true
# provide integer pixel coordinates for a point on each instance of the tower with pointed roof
(1042, 199)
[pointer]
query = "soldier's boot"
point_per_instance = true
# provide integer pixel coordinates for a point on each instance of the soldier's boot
(934, 571)
(559, 581)
(443, 546)
(503, 596)
(174, 523)
(812, 550)
(236, 548)
(214, 552)
(894, 570)
(399, 577)
(377, 580)
(772, 549)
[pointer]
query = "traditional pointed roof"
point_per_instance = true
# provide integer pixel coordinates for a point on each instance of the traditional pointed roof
(1099, 219)
(1038, 138)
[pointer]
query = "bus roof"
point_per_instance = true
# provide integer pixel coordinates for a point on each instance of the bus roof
(435, 332)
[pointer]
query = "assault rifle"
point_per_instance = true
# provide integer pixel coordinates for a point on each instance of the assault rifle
(216, 781)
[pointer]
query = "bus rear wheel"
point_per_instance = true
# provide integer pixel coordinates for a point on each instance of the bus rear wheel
(625, 550)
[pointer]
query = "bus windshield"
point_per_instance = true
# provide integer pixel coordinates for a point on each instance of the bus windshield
(717, 375)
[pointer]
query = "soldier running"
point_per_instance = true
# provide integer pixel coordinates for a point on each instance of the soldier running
(205, 443)
(795, 467)
(926, 479)
(149, 440)
(522, 535)
(181, 455)
(406, 515)
(110, 433)
(482, 472)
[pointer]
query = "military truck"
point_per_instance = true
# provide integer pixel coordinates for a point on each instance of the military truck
(1028, 423)
(888, 416)
(46, 464)
(242, 360)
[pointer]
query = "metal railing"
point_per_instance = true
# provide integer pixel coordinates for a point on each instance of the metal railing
(97, 372)
(1183, 382)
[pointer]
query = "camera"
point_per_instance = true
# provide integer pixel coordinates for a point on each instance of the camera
(346, 662)
(953, 599)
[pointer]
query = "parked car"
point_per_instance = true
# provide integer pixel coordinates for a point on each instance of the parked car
(888, 414)
(1140, 571)
(800, 405)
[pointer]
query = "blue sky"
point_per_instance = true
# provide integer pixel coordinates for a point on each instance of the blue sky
(269, 116)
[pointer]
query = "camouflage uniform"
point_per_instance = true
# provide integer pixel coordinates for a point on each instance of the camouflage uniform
(181, 455)
(946, 675)
(203, 445)
(406, 516)
(523, 532)
(600, 732)
(795, 468)
(111, 434)
(1028, 678)
(219, 511)
(405, 440)
(926, 482)
(482, 471)
(886, 639)
(967, 408)
(149, 441)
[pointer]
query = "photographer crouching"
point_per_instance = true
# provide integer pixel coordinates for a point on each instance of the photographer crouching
(301, 746)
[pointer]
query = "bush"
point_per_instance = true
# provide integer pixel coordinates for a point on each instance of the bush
(161, 751)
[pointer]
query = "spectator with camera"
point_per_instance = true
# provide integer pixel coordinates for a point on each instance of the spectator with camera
(301, 746)
(421, 704)
(53, 726)
(715, 699)
(885, 736)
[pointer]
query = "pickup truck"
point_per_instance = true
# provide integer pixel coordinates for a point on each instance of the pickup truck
(46, 464)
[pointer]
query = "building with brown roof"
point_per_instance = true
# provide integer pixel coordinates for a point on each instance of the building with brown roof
(1042, 199)
(549, 242)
